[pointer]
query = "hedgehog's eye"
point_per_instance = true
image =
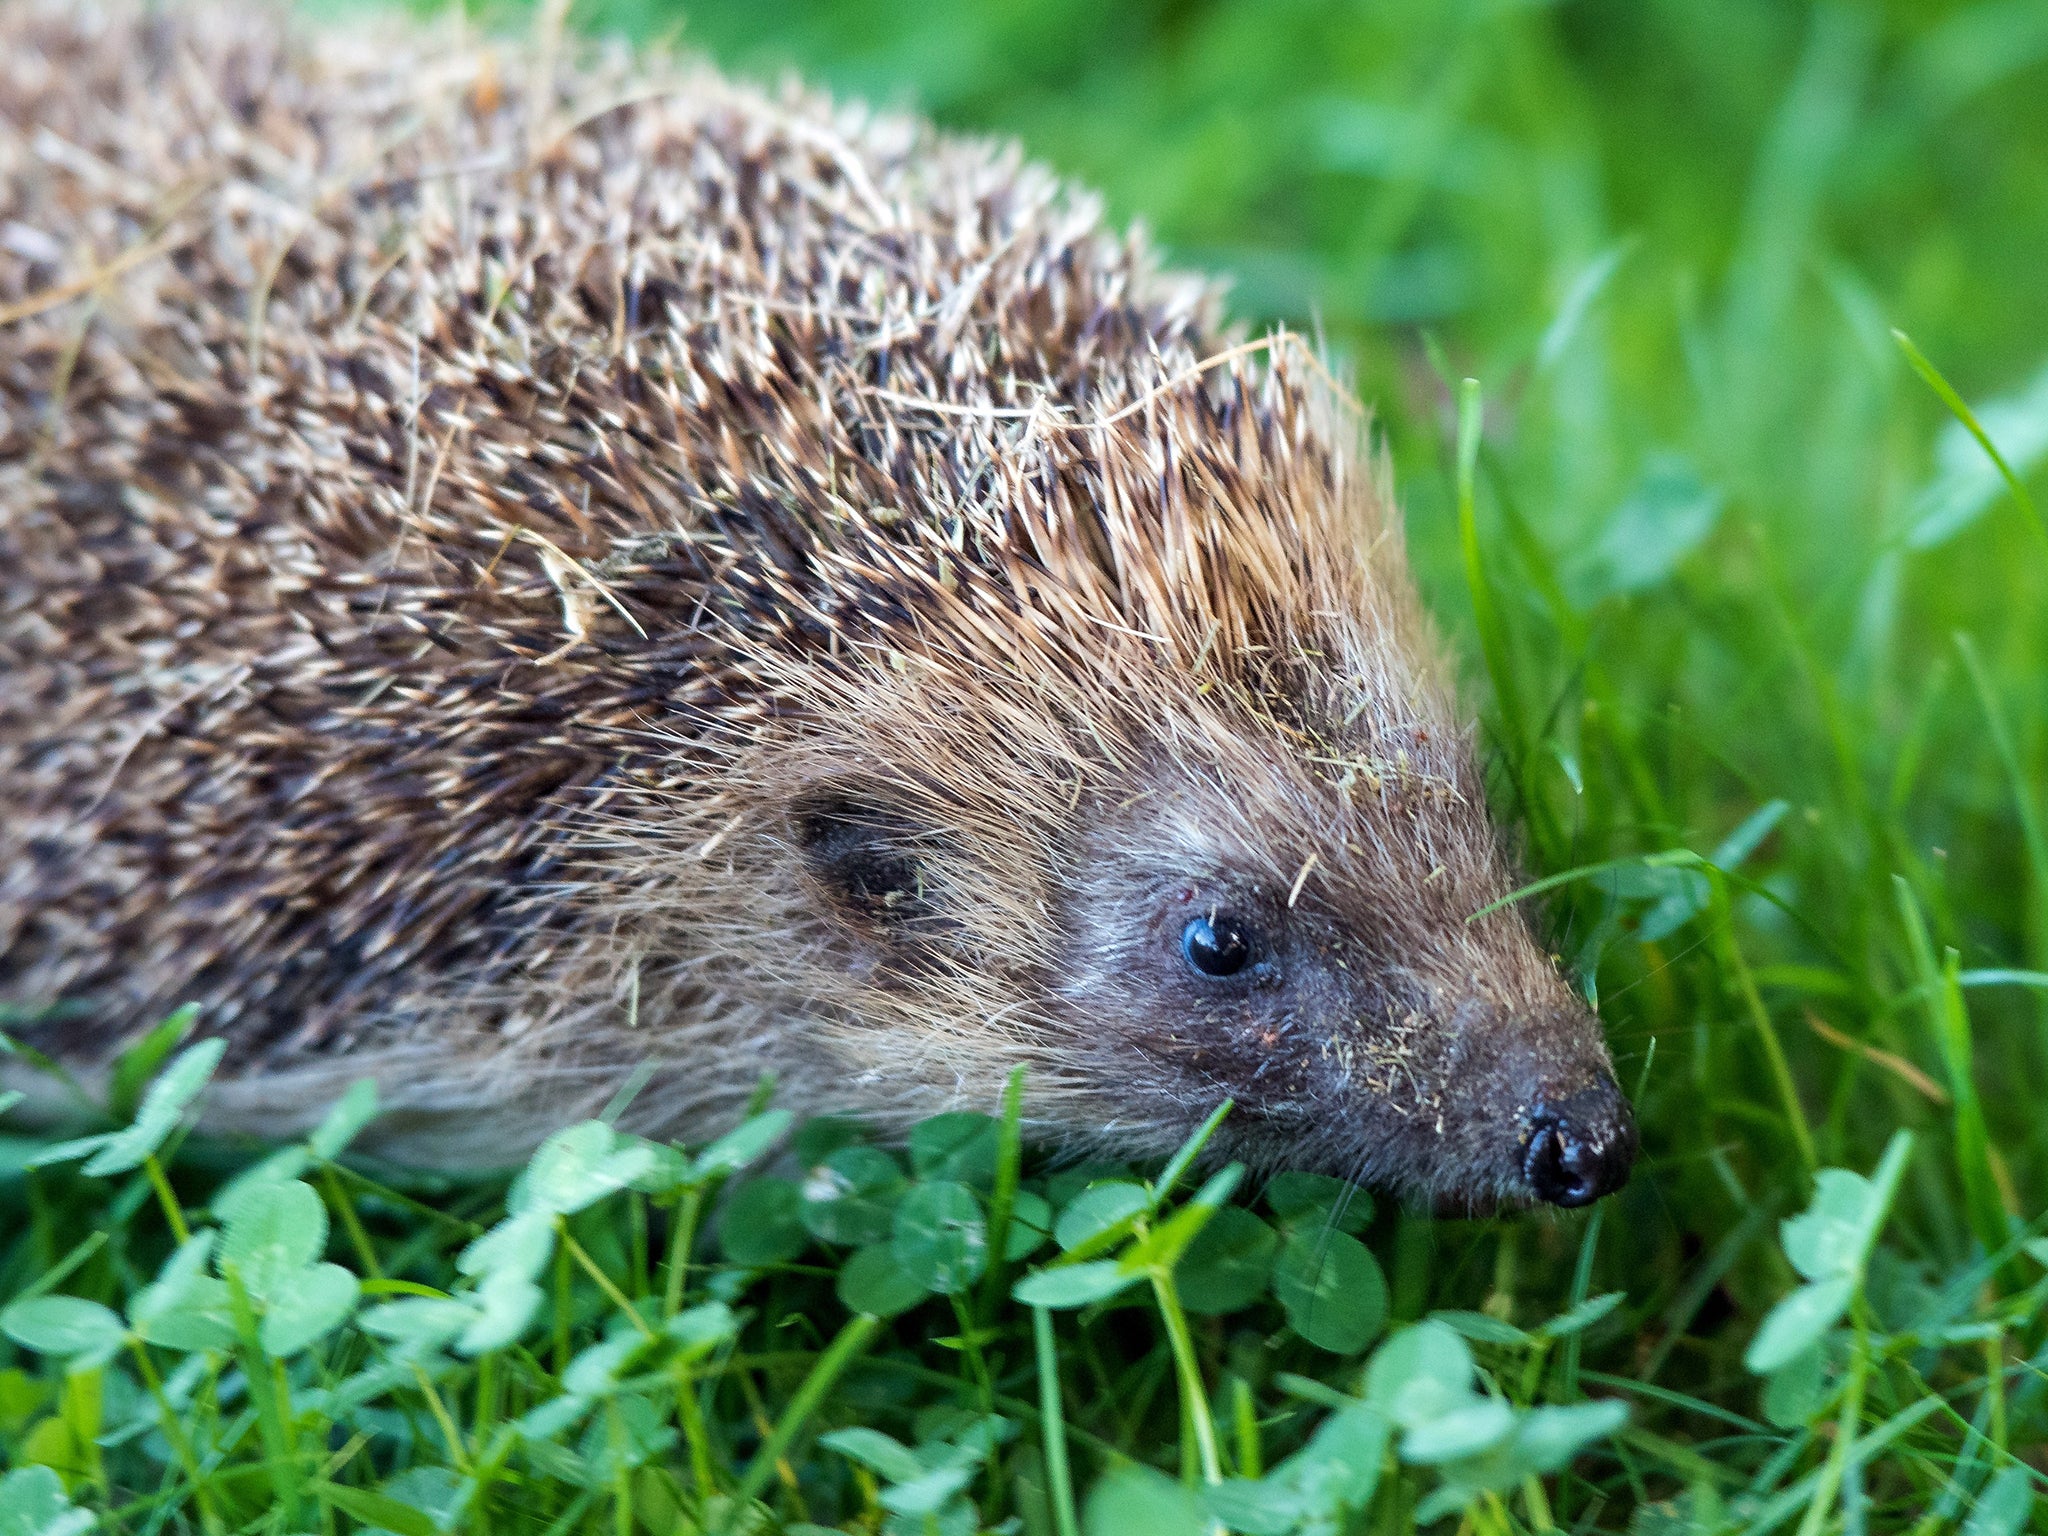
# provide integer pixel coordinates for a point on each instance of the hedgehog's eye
(1216, 945)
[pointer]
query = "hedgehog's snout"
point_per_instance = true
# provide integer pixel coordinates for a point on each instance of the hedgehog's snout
(1580, 1147)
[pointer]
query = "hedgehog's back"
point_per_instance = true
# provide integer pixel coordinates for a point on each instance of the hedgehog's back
(381, 450)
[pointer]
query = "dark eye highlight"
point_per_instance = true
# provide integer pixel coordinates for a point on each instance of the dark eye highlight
(1216, 945)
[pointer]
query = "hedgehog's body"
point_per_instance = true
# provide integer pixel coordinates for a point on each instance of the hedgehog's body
(515, 573)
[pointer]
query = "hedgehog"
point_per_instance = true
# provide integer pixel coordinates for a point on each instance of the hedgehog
(531, 570)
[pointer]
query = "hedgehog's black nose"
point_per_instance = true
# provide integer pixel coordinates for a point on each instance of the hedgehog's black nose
(1580, 1147)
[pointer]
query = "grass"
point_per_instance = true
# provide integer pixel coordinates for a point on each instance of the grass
(1758, 625)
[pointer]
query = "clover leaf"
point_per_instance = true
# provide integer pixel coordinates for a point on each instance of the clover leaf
(1829, 1243)
(576, 1167)
(159, 1114)
(83, 1334)
(33, 1503)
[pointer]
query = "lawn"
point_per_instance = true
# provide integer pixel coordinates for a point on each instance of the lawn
(1710, 346)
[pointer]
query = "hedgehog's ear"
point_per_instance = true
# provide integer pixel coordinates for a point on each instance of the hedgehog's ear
(873, 859)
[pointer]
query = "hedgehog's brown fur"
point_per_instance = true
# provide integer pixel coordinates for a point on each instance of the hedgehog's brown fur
(515, 568)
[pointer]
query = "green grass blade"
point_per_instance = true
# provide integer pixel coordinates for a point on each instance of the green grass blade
(839, 1354)
(2033, 835)
(1959, 408)
(1493, 634)
(1190, 1149)
(1950, 1019)
(1773, 1046)
(1053, 1424)
(1003, 1198)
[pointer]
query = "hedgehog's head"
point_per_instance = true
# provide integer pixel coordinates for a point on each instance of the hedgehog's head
(1176, 831)
(1237, 906)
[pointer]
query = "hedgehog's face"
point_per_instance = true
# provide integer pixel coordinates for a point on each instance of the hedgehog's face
(1337, 991)
(1265, 933)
